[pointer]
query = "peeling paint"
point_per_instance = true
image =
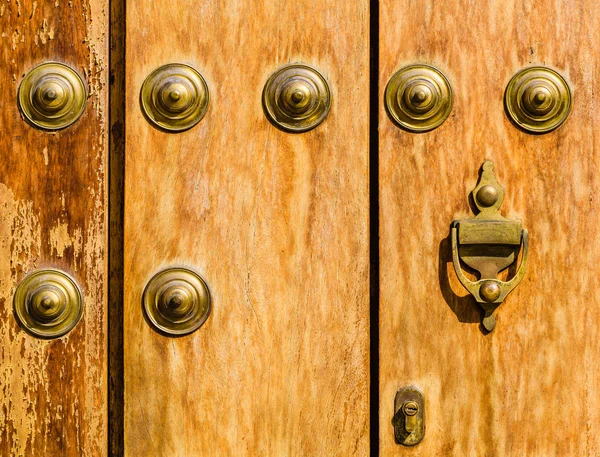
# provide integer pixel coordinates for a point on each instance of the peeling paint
(54, 392)
(44, 33)
(17, 37)
(20, 235)
(96, 34)
(60, 239)
(33, 10)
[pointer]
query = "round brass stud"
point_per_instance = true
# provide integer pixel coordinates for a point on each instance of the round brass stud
(487, 195)
(296, 98)
(489, 291)
(538, 99)
(418, 98)
(176, 301)
(52, 96)
(48, 303)
(174, 97)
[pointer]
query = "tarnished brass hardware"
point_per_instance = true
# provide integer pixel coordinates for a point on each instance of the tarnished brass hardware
(489, 243)
(409, 416)
(174, 97)
(296, 98)
(176, 301)
(418, 98)
(48, 303)
(52, 96)
(538, 99)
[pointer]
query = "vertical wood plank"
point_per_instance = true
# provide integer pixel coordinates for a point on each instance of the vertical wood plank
(532, 386)
(53, 214)
(276, 223)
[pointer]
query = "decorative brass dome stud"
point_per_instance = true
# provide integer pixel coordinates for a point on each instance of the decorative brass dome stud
(176, 301)
(296, 98)
(48, 304)
(52, 96)
(418, 98)
(174, 97)
(537, 99)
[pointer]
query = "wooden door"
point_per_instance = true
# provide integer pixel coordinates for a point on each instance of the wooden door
(53, 215)
(276, 223)
(531, 387)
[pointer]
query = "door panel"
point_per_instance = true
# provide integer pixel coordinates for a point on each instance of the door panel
(532, 386)
(276, 223)
(53, 215)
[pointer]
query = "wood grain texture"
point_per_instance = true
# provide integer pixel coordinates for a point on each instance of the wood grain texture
(276, 223)
(52, 214)
(532, 386)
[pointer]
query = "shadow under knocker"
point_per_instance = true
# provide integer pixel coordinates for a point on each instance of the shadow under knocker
(464, 307)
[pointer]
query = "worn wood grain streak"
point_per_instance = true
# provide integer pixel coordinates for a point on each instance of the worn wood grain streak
(52, 214)
(532, 387)
(276, 223)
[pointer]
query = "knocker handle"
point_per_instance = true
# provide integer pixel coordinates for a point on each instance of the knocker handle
(488, 292)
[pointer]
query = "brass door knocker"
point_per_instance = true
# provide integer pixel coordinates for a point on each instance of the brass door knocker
(489, 243)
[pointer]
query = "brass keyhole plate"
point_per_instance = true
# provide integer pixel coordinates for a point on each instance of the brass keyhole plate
(409, 416)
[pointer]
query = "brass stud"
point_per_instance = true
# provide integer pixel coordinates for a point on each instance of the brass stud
(174, 97)
(538, 99)
(296, 98)
(176, 301)
(48, 303)
(489, 291)
(418, 98)
(52, 96)
(487, 195)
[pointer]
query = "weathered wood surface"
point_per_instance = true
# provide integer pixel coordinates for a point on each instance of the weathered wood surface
(53, 214)
(276, 223)
(532, 386)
